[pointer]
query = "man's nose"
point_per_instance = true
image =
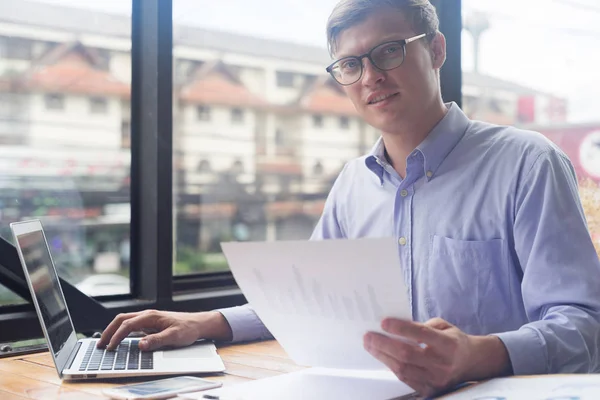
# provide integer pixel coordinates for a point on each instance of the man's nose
(371, 74)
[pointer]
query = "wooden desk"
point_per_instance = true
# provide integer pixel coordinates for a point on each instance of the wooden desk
(33, 376)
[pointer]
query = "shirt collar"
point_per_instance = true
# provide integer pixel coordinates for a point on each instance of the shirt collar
(436, 146)
(376, 159)
(443, 138)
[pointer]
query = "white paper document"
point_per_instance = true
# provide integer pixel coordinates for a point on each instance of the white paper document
(553, 387)
(315, 383)
(319, 298)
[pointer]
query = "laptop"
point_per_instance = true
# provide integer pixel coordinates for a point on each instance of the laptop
(80, 359)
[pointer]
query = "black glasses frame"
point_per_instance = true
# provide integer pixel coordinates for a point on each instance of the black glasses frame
(402, 43)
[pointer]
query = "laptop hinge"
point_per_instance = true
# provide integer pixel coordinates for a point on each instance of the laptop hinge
(73, 354)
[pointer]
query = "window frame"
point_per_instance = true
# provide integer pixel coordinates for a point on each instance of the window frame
(152, 188)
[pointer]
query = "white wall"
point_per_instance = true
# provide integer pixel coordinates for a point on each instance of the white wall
(219, 141)
(75, 125)
(329, 144)
(120, 66)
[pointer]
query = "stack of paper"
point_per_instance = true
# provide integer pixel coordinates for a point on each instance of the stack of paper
(554, 387)
(314, 383)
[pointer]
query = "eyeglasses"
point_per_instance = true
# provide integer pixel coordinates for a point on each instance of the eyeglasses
(385, 56)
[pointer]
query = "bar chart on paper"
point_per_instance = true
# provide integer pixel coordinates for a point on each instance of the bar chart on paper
(319, 298)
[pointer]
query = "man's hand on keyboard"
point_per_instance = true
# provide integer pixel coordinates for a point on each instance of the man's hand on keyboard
(169, 328)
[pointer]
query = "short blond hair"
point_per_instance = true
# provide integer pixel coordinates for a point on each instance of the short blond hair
(421, 14)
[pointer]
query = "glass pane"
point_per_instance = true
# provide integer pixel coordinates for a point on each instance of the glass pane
(260, 130)
(65, 74)
(8, 297)
(525, 64)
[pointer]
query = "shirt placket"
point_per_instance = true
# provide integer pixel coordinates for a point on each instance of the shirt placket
(403, 215)
(403, 219)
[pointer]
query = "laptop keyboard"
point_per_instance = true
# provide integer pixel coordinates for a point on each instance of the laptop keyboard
(127, 356)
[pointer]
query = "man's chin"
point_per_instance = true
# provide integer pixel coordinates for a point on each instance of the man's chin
(387, 125)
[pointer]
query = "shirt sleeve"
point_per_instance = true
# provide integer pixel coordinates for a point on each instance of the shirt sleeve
(245, 324)
(561, 274)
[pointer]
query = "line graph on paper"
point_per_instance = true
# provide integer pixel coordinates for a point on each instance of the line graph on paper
(309, 297)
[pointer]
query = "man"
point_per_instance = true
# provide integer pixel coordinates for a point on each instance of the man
(491, 234)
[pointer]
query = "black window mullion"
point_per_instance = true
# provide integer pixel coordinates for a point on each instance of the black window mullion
(151, 151)
(449, 12)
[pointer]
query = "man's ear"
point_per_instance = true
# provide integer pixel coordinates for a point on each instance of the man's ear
(438, 50)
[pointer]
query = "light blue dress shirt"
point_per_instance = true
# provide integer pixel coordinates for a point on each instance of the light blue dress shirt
(491, 237)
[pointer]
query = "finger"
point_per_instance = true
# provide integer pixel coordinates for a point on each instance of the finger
(132, 324)
(418, 376)
(420, 388)
(416, 331)
(397, 349)
(438, 323)
(112, 328)
(419, 379)
(168, 337)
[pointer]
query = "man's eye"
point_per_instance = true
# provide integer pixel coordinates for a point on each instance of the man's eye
(390, 50)
(349, 65)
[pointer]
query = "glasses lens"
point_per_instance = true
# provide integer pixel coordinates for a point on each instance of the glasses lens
(347, 70)
(388, 55)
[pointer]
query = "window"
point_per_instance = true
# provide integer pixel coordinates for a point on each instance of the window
(204, 166)
(318, 121)
(269, 145)
(69, 170)
(237, 167)
(508, 81)
(285, 79)
(237, 116)
(98, 105)
(103, 57)
(318, 168)
(15, 48)
(280, 138)
(55, 101)
(203, 113)
(344, 123)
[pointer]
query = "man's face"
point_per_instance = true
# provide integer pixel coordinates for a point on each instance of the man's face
(410, 89)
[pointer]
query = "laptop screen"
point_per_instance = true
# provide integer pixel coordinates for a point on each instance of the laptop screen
(44, 280)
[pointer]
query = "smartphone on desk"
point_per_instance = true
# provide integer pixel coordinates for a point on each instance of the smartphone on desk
(161, 389)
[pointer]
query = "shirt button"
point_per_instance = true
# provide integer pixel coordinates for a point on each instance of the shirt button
(429, 174)
(404, 193)
(402, 241)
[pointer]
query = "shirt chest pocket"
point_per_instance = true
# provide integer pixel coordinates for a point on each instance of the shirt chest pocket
(467, 283)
